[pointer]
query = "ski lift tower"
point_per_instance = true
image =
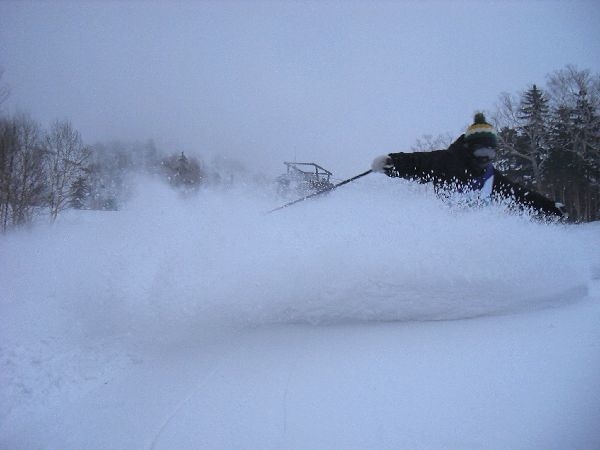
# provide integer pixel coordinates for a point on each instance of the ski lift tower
(304, 178)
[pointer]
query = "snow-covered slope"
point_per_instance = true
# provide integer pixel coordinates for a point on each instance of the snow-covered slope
(374, 317)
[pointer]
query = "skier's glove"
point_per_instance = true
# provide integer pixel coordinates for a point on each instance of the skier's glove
(382, 164)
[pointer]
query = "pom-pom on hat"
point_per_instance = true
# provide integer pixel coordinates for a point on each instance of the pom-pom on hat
(481, 134)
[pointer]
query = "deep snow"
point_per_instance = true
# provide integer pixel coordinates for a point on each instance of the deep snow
(371, 317)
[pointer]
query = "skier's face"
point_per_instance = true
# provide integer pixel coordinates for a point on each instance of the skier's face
(483, 156)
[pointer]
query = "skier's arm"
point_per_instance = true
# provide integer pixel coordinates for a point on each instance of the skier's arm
(418, 166)
(504, 188)
(421, 166)
(411, 165)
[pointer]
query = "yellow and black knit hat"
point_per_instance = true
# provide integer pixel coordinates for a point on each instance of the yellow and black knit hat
(481, 134)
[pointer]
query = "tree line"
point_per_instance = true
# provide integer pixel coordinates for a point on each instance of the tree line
(550, 139)
(44, 172)
(37, 169)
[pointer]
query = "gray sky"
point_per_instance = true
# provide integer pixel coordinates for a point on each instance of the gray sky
(337, 83)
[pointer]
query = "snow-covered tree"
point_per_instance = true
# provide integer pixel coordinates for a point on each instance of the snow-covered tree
(79, 193)
(182, 172)
(22, 174)
(66, 161)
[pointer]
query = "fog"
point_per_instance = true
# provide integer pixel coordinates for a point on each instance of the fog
(336, 83)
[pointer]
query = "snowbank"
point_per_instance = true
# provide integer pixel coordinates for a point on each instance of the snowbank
(84, 300)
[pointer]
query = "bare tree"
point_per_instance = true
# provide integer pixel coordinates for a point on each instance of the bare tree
(521, 121)
(575, 97)
(429, 142)
(507, 111)
(550, 139)
(578, 91)
(66, 159)
(566, 85)
(8, 150)
(28, 171)
(22, 179)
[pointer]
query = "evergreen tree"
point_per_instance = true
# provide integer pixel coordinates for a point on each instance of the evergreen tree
(182, 172)
(534, 111)
(550, 140)
(509, 160)
(531, 145)
(573, 167)
(66, 159)
(522, 122)
(79, 193)
(586, 134)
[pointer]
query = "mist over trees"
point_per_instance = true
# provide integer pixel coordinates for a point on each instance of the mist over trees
(549, 141)
(44, 172)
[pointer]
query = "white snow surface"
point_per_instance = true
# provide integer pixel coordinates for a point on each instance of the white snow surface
(373, 317)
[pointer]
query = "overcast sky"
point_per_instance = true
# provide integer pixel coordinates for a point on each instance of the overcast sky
(337, 83)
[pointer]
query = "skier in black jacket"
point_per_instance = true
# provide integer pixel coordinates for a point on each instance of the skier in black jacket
(466, 168)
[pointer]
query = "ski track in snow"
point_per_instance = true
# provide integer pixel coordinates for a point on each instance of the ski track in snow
(79, 297)
(179, 407)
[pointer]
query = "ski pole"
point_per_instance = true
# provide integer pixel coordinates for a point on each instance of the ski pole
(335, 186)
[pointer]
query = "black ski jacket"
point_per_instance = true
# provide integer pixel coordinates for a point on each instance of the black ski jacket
(455, 169)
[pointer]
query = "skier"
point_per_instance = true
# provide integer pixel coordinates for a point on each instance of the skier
(466, 168)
